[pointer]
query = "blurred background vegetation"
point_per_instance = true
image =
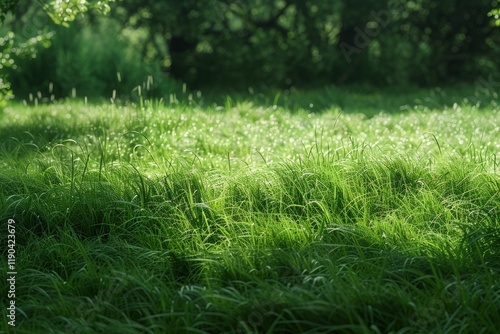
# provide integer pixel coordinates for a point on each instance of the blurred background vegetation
(235, 44)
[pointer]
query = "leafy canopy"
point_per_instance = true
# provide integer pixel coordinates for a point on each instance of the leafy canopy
(62, 12)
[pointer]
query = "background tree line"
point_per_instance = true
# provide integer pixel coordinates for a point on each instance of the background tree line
(279, 43)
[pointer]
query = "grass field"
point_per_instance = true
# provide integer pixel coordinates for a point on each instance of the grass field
(378, 214)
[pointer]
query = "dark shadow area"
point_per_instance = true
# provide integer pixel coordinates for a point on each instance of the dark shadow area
(36, 135)
(360, 99)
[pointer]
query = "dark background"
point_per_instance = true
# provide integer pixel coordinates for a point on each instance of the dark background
(231, 45)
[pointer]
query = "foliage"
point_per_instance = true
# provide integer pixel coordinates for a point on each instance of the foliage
(61, 12)
(96, 61)
(280, 43)
(11, 52)
(495, 14)
(289, 42)
(6, 6)
(5, 93)
(64, 12)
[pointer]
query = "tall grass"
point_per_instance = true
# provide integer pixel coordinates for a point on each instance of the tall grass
(244, 218)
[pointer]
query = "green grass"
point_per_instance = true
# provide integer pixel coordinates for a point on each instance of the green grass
(254, 218)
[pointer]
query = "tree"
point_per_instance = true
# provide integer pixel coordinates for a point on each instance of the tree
(60, 12)
(285, 42)
(237, 41)
(293, 42)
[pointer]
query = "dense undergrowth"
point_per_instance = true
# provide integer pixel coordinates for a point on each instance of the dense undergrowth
(242, 218)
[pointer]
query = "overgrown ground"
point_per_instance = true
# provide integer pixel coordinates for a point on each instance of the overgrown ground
(249, 217)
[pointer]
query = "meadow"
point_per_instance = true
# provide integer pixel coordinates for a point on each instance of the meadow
(321, 212)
